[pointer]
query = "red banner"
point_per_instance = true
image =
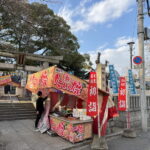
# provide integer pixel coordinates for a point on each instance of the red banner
(122, 94)
(92, 95)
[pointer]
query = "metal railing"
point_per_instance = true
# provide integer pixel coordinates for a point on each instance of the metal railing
(11, 99)
(134, 102)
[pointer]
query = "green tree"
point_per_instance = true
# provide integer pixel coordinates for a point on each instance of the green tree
(34, 28)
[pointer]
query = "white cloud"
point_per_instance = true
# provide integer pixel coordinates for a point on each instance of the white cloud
(83, 2)
(83, 16)
(67, 14)
(130, 10)
(121, 41)
(118, 56)
(107, 10)
(102, 46)
(80, 25)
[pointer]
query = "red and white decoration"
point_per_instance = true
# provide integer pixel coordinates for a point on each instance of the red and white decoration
(122, 95)
(92, 109)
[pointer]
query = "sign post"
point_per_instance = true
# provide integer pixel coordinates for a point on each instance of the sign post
(137, 60)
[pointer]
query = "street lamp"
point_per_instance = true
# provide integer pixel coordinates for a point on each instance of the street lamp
(131, 50)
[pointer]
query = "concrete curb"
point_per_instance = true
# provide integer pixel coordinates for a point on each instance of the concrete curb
(86, 142)
(113, 135)
(14, 101)
(129, 133)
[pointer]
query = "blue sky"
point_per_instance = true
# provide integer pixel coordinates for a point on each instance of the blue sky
(101, 26)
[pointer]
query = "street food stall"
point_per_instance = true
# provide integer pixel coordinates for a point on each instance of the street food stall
(68, 96)
(68, 107)
(9, 84)
(74, 130)
(9, 80)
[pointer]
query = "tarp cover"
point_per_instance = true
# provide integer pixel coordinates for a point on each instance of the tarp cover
(56, 78)
(9, 80)
(4, 80)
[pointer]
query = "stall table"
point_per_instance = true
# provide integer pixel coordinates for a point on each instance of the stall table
(74, 130)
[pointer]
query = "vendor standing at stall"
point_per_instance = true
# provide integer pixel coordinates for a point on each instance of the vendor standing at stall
(39, 108)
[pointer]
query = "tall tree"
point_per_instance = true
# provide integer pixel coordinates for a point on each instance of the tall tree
(34, 28)
(16, 25)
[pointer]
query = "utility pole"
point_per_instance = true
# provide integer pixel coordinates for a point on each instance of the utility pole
(142, 69)
(131, 50)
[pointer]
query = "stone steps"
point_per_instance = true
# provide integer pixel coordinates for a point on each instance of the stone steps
(12, 112)
(16, 111)
(17, 118)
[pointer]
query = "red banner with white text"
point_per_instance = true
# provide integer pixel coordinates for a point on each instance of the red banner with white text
(92, 109)
(122, 95)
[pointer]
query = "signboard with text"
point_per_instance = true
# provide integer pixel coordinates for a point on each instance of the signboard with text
(113, 79)
(122, 95)
(131, 83)
(56, 78)
(92, 96)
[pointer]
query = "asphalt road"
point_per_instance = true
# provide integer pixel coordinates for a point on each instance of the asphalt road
(141, 142)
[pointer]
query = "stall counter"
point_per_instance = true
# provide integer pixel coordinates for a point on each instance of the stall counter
(74, 130)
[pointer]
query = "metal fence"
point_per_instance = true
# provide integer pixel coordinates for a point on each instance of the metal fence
(134, 102)
(131, 117)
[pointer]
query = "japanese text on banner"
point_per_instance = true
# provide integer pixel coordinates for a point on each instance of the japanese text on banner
(92, 95)
(122, 94)
(113, 79)
(132, 89)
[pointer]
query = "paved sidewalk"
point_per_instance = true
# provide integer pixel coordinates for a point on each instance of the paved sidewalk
(20, 135)
(141, 142)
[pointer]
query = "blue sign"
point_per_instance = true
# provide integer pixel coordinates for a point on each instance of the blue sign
(71, 72)
(137, 60)
(131, 83)
(113, 79)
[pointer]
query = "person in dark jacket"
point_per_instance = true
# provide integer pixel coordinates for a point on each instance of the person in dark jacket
(39, 108)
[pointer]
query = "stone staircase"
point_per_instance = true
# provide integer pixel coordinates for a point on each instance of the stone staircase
(9, 97)
(16, 111)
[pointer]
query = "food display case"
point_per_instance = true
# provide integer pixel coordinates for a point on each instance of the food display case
(71, 128)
